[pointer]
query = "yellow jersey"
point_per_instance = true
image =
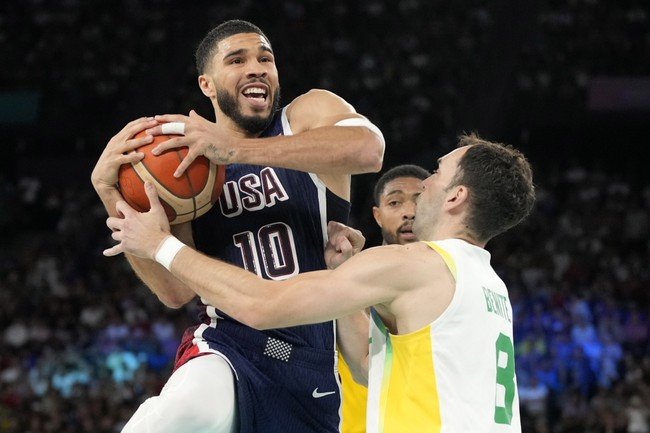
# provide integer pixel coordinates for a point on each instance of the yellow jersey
(456, 374)
(354, 397)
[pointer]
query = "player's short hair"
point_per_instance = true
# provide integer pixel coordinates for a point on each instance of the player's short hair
(208, 45)
(405, 170)
(500, 183)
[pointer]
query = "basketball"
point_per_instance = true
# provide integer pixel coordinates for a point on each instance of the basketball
(184, 198)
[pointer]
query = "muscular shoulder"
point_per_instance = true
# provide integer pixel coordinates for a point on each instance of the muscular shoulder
(318, 108)
(429, 294)
(421, 252)
(424, 265)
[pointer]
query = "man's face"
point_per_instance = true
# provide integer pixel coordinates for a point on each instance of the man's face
(432, 199)
(246, 81)
(396, 210)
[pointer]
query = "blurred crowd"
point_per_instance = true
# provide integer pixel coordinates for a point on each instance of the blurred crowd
(578, 277)
(83, 342)
(422, 70)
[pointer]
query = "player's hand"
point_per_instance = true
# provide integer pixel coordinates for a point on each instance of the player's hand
(343, 242)
(139, 233)
(201, 137)
(117, 150)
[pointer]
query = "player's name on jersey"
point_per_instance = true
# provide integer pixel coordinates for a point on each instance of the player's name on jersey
(496, 303)
(252, 192)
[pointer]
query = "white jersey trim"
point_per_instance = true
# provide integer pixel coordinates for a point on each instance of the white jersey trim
(286, 127)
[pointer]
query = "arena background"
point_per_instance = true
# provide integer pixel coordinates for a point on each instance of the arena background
(82, 342)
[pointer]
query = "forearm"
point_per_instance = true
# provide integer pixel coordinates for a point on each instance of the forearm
(324, 150)
(352, 341)
(235, 291)
(256, 302)
(163, 284)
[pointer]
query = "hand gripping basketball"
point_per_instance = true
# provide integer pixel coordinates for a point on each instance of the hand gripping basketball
(138, 233)
(184, 198)
(200, 136)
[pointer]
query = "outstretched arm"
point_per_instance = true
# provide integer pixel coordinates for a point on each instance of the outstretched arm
(374, 276)
(118, 151)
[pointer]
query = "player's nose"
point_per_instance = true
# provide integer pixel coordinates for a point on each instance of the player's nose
(255, 70)
(408, 210)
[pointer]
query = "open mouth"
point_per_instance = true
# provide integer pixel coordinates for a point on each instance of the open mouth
(406, 232)
(256, 94)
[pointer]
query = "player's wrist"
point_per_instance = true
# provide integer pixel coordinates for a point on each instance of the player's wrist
(167, 251)
(238, 150)
(103, 188)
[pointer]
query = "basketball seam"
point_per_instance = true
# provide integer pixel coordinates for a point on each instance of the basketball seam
(189, 182)
(143, 180)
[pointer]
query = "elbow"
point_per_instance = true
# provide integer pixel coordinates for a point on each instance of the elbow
(174, 302)
(371, 158)
(175, 299)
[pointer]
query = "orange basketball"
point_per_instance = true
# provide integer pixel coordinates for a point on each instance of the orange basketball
(184, 198)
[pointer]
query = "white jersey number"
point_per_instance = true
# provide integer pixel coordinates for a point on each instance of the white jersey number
(276, 246)
(505, 393)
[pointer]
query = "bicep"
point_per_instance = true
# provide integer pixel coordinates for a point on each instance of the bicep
(318, 108)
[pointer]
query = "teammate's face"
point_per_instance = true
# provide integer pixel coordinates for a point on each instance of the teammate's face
(396, 210)
(245, 81)
(430, 204)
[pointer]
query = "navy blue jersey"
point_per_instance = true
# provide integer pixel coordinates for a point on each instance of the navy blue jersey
(273, 222)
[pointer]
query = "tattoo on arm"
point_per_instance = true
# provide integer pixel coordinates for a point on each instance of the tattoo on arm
(221, 156)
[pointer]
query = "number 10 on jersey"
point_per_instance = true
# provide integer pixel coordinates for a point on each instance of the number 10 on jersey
(276, 246)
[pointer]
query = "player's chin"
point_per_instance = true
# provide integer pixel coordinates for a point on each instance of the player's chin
(257, 113)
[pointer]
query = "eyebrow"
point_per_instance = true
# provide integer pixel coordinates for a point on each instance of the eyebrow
(399, 191)
(243, 50)
(394, 191)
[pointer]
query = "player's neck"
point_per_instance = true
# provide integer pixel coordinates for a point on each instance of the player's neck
(452, 230)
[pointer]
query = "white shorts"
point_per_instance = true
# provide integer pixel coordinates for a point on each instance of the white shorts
(198, 397)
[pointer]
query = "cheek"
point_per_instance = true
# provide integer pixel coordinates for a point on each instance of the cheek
(273, 75)
(394, 220)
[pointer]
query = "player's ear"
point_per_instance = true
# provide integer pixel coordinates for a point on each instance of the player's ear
(457, 198)
(207, 86)
(375, 213)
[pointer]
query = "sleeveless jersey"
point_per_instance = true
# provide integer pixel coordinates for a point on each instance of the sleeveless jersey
(273, 222)
(456, 374)
(353, 404)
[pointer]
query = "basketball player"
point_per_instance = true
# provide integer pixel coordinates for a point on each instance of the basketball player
(441, 347)
(288, 174)
(395, 194)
